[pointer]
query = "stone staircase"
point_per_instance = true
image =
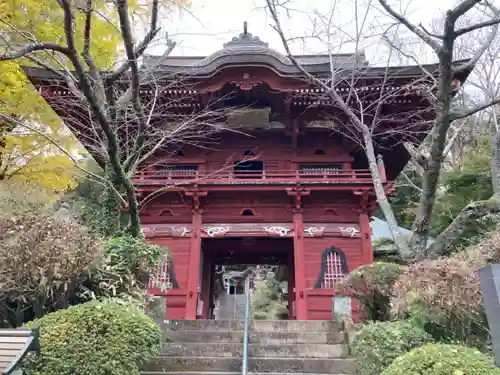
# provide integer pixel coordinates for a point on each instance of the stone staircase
(230, 307)
(210, 347)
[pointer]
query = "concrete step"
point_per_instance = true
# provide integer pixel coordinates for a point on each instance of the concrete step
(255, 350)
(221, 373)
(264, 338)
(265, 365)
(255, 325)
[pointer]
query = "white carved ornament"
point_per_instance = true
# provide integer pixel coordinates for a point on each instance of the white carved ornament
(214, 231)
(182, 231)
(312, 231)
(282, 231)
(145, 230)
(349, 230)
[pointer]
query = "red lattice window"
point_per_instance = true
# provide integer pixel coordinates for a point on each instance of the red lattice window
(160, 278)
(333, 270)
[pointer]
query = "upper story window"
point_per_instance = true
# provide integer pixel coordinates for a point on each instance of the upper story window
(320, 169)
(177, 170)
(248, 169)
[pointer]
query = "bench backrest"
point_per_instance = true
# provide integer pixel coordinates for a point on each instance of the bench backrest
(14, 345)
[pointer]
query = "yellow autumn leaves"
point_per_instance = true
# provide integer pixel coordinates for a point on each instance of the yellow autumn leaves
(26, 155)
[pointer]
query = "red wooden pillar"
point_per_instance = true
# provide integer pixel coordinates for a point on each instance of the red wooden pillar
(194, 257)
(299, 268)
(194, 267)
(366, 238)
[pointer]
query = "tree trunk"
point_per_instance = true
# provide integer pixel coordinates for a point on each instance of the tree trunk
(421, 225)
(383, 202)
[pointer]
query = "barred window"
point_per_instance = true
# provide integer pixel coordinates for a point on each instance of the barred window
(333, 270)
(160, 278)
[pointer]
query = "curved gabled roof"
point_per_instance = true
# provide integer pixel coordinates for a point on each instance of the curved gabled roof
(248, 50)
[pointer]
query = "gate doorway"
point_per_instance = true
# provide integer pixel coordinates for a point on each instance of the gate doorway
(227, 262)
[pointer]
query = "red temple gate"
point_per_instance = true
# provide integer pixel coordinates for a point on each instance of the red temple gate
(282, 176)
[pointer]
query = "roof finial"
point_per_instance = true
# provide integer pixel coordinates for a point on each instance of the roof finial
(245, 28)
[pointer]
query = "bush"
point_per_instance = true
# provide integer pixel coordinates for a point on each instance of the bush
(445, 295)
(440, 359)
(44, 261)
(267, 299)
(376, 345)
(371, 285)
(21, 198)
(50, 264)
(133, 254)
(260, 315)
(280, 312)
(486, 251)
(106, 337)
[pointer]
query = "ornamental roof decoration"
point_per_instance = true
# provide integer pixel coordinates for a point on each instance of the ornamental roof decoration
(247, 49)
(245, 40)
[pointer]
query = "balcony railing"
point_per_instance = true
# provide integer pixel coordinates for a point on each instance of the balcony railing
(230, 177)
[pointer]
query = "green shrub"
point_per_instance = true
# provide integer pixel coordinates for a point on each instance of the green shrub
(260, 315)
(445, 296)
(133, 254)
(376, 345)
(371, 285)
(280, 312)
(441, 359)
(108, 337)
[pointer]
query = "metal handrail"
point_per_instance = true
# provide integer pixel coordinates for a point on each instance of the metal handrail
(244, 364)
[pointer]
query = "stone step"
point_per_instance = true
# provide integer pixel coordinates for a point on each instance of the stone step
(255, 350)
(264, 338)
(255, 325)
(222, 373)
(265, 365)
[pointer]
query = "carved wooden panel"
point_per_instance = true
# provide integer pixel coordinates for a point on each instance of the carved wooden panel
(256, 229)
(166, 230)
(332, 230)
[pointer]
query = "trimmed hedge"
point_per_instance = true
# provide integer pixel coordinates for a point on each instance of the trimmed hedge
(377, 345)
(107, 337)
(441, 359)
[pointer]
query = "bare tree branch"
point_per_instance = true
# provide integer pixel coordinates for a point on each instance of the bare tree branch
(33, 48)
(133, 55)
(400, 18)
(461, 114)
(477, 26)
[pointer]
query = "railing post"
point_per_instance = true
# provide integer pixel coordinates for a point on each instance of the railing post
(381, 168)
(244, 365)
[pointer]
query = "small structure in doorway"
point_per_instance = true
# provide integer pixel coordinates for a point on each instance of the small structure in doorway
(15, 344)
(234, 280)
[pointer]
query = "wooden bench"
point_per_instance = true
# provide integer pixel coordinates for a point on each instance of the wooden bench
(14, 345)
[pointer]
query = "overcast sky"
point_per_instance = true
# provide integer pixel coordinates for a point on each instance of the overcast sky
(209, 23)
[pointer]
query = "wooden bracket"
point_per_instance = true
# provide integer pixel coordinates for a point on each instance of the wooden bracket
(298, 193)
(196, 195)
